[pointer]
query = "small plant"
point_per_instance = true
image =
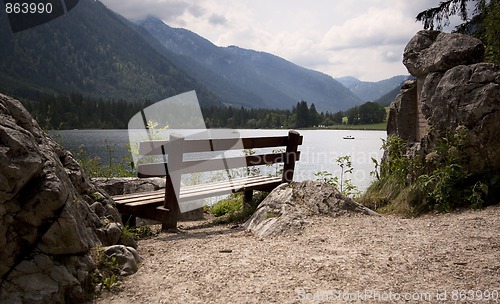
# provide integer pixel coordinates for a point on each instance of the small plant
(144, 232)
(128, 233)
(253, 170)
(107, 274)
(278, 167)
(94, 167)
(340, 182)
(110, 282)
(154, 132)
(376, 171)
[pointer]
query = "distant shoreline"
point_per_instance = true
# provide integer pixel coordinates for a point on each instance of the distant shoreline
(368, 127)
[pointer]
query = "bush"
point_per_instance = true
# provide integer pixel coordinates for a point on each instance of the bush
(441, 180)
(228, 206)
(234, 210)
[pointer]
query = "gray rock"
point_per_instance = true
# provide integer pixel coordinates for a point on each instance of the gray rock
(432, 51)
(113, 232)
(402, 110)
(469, 97)
(47, 227)
(98, 209)
(287, 208)
(126, 257)
(43, 280)
(126, 185)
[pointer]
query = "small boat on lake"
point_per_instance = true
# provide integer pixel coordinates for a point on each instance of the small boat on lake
(348, 137)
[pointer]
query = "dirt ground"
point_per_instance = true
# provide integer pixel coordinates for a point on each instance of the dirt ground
(447, 258)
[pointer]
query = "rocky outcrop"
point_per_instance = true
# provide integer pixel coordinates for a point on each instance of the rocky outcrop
(453, 88)
(287, 208)
(433, 51)
(47, 220)
(403, 110)
(450, 115)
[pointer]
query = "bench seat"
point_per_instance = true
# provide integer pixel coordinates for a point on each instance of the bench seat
(147, 202)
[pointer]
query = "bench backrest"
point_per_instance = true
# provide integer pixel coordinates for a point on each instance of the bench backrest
(173, 152)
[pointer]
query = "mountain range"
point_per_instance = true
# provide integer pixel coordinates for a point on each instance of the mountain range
(371, 91)
(270, 81)
(94, 51)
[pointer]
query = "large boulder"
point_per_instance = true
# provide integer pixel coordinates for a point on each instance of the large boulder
(468, 96)
(450, 116)
(433, 51)
(47, 228)
(289, 206)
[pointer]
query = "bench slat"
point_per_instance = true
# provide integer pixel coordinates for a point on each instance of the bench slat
(125, 202)
(153, 201)
(208, 192)
(207, 145)
(144, 196)
(193, 166)
(221, 185)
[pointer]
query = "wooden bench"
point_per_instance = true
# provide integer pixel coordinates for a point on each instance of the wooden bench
(163, 205)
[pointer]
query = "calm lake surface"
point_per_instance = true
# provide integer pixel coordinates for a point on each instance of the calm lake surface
(320, 149)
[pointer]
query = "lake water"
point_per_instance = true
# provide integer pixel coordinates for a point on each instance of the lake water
(320, 149)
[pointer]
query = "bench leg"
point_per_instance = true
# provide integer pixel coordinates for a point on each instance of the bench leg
(248, 196)
(170, 212)
(169, 221)
(129, 220)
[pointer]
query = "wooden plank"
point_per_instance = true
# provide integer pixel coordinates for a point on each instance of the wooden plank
(152, 170)
(143, 199)
(229, 189)
(154, 201)
(145, 211)
(223, 144)
(194, 166)
(123, 199)
(146, 205)
(222, 184)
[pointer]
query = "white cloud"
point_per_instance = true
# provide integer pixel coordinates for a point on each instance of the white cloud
(363, 38)
(374, 28)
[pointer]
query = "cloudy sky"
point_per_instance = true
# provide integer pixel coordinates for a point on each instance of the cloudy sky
(362, 38)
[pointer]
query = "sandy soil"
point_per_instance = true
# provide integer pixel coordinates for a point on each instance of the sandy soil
(431, 259)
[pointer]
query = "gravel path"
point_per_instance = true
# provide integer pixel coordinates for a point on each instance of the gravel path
(348, 259)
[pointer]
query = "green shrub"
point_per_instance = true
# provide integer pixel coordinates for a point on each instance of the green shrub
(230, 205)
(440, 181)
(234, 210)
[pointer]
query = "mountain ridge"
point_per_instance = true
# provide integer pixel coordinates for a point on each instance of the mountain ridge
(266, 75)
(96, 52)
(93, 51)
(372, 91)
